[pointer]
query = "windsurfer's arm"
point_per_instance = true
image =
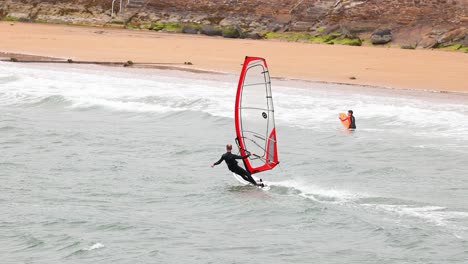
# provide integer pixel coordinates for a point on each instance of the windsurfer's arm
(242, 157)
(218, 162)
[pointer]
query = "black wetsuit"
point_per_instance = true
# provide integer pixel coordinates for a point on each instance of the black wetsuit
(352, 124)
(231, 162)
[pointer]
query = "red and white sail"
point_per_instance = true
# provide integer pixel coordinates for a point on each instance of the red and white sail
(255, 117)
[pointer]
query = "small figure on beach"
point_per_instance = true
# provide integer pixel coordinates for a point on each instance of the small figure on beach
(351, 119)
(231, 162)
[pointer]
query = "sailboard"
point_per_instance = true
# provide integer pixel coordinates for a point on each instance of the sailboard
(254, 117)
(344, 117)
(244, 182)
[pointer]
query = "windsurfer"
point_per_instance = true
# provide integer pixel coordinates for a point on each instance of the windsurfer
(231, 162)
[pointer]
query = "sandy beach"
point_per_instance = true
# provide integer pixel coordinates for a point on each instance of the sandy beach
(378, 66)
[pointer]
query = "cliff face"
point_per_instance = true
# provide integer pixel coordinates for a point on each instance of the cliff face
(422, 23)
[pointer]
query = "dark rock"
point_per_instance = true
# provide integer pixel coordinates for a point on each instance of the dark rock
(211, 31)
(408, 46)
(383, 32)
(379, 40)
(253, 35)
(464, 42)
(189, 30)
(381, 36)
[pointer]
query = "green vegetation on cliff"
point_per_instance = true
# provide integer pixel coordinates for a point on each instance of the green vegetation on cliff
(454, 47)
(10, 18)
(170, 26)
(333, 38)
(230, 32)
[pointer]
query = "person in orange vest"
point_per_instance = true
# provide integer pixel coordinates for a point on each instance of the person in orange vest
(352, 120)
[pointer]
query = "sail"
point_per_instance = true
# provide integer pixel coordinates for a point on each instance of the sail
(254, 116)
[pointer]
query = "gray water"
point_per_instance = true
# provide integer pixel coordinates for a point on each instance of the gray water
(104, 165)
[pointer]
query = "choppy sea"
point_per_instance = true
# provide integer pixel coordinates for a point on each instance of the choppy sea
(110, 165)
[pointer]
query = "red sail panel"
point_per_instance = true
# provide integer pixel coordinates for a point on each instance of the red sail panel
(254, 116)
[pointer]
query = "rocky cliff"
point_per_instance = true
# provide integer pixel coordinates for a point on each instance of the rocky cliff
(407, 23)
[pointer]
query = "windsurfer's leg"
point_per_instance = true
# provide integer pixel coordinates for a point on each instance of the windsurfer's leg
(252, 180)
(248, 175)
(245, 175)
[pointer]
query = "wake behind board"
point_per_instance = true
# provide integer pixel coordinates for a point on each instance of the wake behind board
(346, 122)
(244, 182)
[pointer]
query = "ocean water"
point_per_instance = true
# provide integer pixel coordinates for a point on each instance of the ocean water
(111, 165)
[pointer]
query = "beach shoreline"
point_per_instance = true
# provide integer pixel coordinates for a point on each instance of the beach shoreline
(428, 70)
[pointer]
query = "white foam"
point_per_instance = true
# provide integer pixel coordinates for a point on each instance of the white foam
(434, 214)
(314, 107)
(321, 194)
(124, 92)
(94, 246)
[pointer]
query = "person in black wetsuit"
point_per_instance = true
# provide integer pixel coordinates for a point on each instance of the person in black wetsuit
(352, 120)
(231, 162)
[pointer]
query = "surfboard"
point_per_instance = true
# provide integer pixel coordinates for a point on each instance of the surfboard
(244, 182)
(254, 117)
(345, 123)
